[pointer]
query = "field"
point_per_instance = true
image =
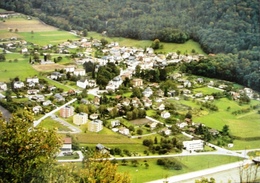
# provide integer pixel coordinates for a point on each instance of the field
(20, 67)
(189, 164)
(167, 47)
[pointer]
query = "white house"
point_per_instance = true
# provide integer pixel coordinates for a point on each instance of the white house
(3, 86)
(18, 84)
(79, 72)
(32, 80)
(114, 83)
(115, 123)
(165, 114)
(124, 131)
(147, 92)
(70, 68)
(194, 145)
(86, 83)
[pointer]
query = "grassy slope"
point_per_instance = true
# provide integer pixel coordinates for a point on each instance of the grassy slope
(189, 164)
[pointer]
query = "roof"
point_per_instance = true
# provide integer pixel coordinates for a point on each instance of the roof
(67, 140)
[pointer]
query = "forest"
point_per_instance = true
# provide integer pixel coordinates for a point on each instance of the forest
(229, 28)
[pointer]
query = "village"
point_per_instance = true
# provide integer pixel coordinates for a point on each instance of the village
(44, 97)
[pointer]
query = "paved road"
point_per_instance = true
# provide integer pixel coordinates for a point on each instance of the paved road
(36, 123)
(73, 128)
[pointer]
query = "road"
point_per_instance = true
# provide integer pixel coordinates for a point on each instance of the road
(37, 122)
(73, 128)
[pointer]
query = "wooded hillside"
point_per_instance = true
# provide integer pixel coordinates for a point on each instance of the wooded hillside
(230, 26)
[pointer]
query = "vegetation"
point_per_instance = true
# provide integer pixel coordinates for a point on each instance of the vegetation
(226, 27)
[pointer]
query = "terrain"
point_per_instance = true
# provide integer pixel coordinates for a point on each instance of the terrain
(246, 136)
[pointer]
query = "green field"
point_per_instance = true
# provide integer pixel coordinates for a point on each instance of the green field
(10, 68)
(48, 37)
(167, 47)
(192, 163)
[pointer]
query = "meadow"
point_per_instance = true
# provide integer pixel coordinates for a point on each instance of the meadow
(141, 173)
(187, 47)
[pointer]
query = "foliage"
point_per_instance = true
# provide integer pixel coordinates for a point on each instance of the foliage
(96, 168)
(27, 154)
(169, 164)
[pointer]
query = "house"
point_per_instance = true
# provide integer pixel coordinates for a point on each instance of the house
(84, 83)
(126, 102)
(161, 106)
(70, 68)
(18, 84)
(182, 124)
(114, 83)
(147, 102)
(95, 125)
(79, 72)
(96, 100)
(80, 118)
(137, 82)
(199, 95)
(115, 123)
(193, 145)
(93, 116)
(34, 80)
(136, 102)
(165, 114)
(124, 131)
(67, 144)
(56, 75)
(46, 103)
(166, 131)
(59, 97)
(147, 92)
(37, 109)
(3, 86)
(66, 111)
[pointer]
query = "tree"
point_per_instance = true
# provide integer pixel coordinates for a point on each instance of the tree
(26, 153)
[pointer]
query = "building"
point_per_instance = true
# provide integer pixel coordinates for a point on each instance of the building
(67, 111)
(67, 144)
(193, 145)
(80, 118)
(137, 82)
(95, 125)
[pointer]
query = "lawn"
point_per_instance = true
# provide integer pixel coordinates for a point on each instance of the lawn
(189, 164)
(206, 90)
(10, 69)
(48, 37)
(48, 123)
(167, 47)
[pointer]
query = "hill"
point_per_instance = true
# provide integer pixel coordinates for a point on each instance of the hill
(229, 27)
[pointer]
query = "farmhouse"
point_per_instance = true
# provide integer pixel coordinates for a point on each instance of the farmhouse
(194, 145)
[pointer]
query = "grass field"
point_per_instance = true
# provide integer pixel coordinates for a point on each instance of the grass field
(167, 47)
(10, 69)
(153, 172)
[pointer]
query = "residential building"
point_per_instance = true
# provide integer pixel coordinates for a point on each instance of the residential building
(137, 82)
(3, 86)
(67, 144)
(80, 118)
(193, 145)
(95, 125)
(18, 84)
(67, 111)
(165, 114)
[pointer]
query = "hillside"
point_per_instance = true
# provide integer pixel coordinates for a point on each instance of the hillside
(229, 27)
